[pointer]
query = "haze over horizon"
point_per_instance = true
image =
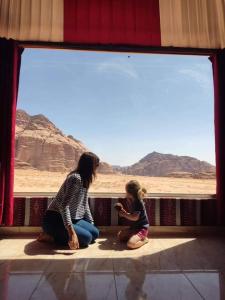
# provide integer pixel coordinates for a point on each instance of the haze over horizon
(161, 103)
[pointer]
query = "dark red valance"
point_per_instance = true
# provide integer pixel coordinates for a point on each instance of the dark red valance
(112, 22)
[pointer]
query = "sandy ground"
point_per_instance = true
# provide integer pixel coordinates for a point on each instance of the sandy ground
(42, 181)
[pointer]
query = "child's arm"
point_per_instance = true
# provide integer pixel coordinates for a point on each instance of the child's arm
(119, 207)
(131, 217)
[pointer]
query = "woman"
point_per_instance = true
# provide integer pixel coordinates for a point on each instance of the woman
(68, 219)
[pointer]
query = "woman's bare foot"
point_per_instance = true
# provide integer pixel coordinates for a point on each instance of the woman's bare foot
(45, 238)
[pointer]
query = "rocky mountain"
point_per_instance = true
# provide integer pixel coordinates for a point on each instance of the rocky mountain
(41, 145)
(158, 164)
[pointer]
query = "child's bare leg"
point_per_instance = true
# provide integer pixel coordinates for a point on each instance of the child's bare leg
(124, 235)
(136, 242)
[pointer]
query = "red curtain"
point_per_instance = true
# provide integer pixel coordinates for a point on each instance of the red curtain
(126, 22)
(218, 62)
(10, 57)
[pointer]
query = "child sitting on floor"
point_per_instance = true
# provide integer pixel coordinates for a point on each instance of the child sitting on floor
(136, 235)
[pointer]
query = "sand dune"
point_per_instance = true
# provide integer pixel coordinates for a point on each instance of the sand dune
(43, 181)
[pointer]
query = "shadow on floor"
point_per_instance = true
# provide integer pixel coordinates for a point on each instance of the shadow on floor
(36, 248)
(112, 243)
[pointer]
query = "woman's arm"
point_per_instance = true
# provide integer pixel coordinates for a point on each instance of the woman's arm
(73, 185)
(73, 239)
(88, 215)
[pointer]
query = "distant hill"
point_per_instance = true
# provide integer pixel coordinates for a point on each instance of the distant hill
(168, 165)
(41, 145)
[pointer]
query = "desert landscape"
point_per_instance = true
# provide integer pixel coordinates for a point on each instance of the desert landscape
(45, 155)
(43, 181)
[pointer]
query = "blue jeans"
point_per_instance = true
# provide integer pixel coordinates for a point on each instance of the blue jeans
(86, 232)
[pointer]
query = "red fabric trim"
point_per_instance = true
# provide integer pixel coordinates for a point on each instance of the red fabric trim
(102, 211)
(10, 55)
(188, 212)
(127, 22)
(167, 212)
(19, 211)
(218, 62)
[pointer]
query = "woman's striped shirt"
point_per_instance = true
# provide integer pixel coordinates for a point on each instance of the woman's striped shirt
(71, 200)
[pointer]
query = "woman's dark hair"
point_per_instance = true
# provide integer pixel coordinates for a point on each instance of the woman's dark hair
(86, 167)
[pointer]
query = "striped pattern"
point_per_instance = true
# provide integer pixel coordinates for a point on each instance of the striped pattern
(32, 20)
(161, 211)
(193, 23)
(177, 23)
(71, 201)
(20, 211)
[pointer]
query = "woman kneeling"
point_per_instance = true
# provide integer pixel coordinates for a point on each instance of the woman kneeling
(68, 220)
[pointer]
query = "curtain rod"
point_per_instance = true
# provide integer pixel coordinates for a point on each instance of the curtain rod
(119, 48)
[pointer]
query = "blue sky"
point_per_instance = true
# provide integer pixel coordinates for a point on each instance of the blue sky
(123, 106)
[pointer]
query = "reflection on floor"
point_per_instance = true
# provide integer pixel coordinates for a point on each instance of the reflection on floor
(165, 268)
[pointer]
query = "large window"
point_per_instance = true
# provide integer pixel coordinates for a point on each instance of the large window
(148, 117)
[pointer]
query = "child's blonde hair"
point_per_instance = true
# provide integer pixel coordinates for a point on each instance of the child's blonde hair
(134, 188)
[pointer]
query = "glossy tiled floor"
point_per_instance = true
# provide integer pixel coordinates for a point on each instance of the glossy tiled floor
(165, 268)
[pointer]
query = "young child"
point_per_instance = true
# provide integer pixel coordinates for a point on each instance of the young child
(136, 235)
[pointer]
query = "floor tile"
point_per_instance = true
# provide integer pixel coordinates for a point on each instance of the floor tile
(26, 265)
(63, 286)
(209, 247)
(18, 286)
(128, 264)
(156, 286)
(210, 284)
(81, 265)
